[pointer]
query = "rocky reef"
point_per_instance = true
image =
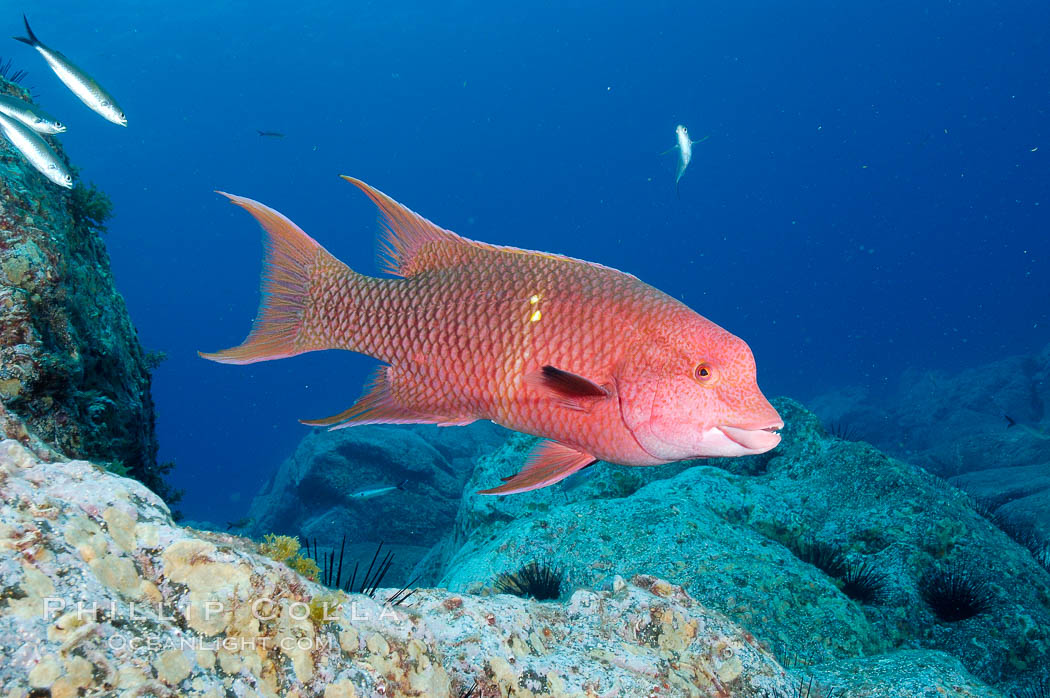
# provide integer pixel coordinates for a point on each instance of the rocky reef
(957, 426)
(311, 493)
(829, 552)
(104, 594)
(73, 376)
(953, 423)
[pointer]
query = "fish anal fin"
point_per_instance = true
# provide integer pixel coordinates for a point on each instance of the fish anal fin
(380, 405)
(457, 422)
(568, 389)
(549, 462)
(411, 244)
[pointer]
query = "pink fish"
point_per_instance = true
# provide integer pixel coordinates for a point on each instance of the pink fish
(598, 362)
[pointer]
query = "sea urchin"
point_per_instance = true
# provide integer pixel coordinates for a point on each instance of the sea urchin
(864, 583)
(535, 580)
(955, 595)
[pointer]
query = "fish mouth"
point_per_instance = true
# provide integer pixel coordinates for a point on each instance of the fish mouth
(754, 441)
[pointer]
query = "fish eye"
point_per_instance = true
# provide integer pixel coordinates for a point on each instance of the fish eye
(705, 374)
(69, 178)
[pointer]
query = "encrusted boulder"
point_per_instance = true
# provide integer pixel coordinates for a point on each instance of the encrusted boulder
(103, 594)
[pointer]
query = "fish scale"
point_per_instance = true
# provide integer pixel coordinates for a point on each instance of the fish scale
(570, 350)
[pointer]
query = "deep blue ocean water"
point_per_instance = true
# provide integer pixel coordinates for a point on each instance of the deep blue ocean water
(874, 194)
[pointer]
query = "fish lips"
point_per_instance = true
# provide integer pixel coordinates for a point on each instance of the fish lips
(753, 440)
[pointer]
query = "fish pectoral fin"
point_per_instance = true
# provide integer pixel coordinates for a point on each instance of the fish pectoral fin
(550, 462)
(671, 149)
(700, 140)
(568, 389)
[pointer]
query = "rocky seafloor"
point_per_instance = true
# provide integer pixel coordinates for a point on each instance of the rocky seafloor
(104, 595)
(828, 552)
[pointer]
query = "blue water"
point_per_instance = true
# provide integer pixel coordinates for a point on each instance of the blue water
(874, 193)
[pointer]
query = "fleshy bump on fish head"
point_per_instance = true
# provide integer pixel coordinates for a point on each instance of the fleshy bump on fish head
(693, 393)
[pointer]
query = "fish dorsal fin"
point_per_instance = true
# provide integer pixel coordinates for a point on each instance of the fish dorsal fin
(410, 243)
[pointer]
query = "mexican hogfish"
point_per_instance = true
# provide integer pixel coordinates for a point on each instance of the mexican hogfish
(601, 364)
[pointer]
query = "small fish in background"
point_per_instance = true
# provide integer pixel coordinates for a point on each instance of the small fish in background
(36, 150)
(685, 153)
(239, 523)
(600, 363)
(31, 115)
(377, 491)
(80, 83)
(270, 134)
(1037, 433)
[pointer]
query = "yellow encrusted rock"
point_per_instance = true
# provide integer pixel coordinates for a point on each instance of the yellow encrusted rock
(121, 525)
(173, 666)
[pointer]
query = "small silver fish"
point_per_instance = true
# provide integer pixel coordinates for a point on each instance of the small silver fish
(81, 84)
(36, 150)
(377, 491)
(31, 115)
(685, 153)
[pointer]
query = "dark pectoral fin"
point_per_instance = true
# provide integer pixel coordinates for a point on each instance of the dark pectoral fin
(548, 463)
(569, 389)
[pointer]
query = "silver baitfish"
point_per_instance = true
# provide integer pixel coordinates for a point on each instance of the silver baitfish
(31, 115)
(377, 491)
(685, 153)
(35, 150)
(81, 84)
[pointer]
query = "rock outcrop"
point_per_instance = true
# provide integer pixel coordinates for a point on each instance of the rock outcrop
(733, 539)
(102, 593)
(954, 424)
(311, 493)
(72, 371)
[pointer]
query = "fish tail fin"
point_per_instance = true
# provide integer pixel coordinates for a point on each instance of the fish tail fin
(1010, 422)
(302, 285)
(401, 485)
(31, 40)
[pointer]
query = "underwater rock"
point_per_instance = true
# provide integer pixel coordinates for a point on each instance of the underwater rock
(1018, 500)
(904, 673)
(731, 539)
(953, 424)
(72, 371)
(167, 611)
(310, 494)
